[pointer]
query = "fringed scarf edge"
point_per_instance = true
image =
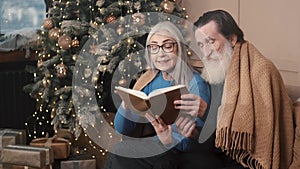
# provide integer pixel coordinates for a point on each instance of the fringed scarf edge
(238, 145)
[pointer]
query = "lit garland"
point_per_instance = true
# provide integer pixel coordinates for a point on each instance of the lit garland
(53, 74)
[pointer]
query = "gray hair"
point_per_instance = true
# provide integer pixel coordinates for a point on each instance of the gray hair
(183, 72)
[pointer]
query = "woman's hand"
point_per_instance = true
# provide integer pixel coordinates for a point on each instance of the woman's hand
(191, 104)
(163, 131)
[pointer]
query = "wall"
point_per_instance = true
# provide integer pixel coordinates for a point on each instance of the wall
(271, 25)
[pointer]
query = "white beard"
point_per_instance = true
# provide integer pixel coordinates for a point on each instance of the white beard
(216, 65)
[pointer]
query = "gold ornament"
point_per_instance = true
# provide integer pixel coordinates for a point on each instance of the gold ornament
(138, 18)
(74, 57)
(54, 34)
(123, 82)
(75, 42)
(48, 23)
(46, 82)
(167, 6)
(39, 63)
(102, 59)
(61, 70)
(111, 18)
(95, 79)
(130, 41)
(120, 30)
(64, 42)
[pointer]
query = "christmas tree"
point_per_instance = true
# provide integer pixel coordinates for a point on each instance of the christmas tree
(85, 48)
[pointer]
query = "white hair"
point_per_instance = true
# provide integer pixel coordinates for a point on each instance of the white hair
(183, 72)
(214, 71)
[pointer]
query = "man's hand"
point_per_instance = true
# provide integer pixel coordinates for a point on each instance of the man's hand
(191, 104)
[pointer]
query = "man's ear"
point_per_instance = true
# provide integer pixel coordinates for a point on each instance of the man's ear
(233, 39)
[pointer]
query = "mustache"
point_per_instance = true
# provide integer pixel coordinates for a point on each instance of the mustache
(213, 55)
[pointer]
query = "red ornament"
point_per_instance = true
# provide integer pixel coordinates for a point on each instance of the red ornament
(111, 18)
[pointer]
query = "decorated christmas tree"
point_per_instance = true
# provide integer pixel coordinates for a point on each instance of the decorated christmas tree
(86, 47)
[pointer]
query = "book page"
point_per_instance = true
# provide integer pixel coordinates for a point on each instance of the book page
(137, 93)
(165, 90)
(136, 101)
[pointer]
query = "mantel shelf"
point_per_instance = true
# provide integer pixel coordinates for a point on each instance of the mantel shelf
(16, 56)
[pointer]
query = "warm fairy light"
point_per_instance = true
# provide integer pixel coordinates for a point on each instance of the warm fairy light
(45, 55)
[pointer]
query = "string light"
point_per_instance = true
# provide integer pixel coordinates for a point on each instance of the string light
(99, 94)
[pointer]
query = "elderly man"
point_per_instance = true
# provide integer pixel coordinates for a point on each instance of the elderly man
(254, 123)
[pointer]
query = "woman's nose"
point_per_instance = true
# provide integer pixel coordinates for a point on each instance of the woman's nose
(161, 53)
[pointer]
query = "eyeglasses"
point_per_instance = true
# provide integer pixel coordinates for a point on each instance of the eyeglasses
(166, 47)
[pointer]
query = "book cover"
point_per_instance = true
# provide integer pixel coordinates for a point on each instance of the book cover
(158, 102)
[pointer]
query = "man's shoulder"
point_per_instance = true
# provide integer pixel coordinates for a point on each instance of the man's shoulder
(260, 62)
(263, 64)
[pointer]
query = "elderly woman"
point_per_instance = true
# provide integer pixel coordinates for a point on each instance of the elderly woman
(168, 65)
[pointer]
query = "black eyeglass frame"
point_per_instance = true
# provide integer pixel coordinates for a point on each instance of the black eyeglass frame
(161, 47)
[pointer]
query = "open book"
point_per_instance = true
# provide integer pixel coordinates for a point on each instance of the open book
(158, 102)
